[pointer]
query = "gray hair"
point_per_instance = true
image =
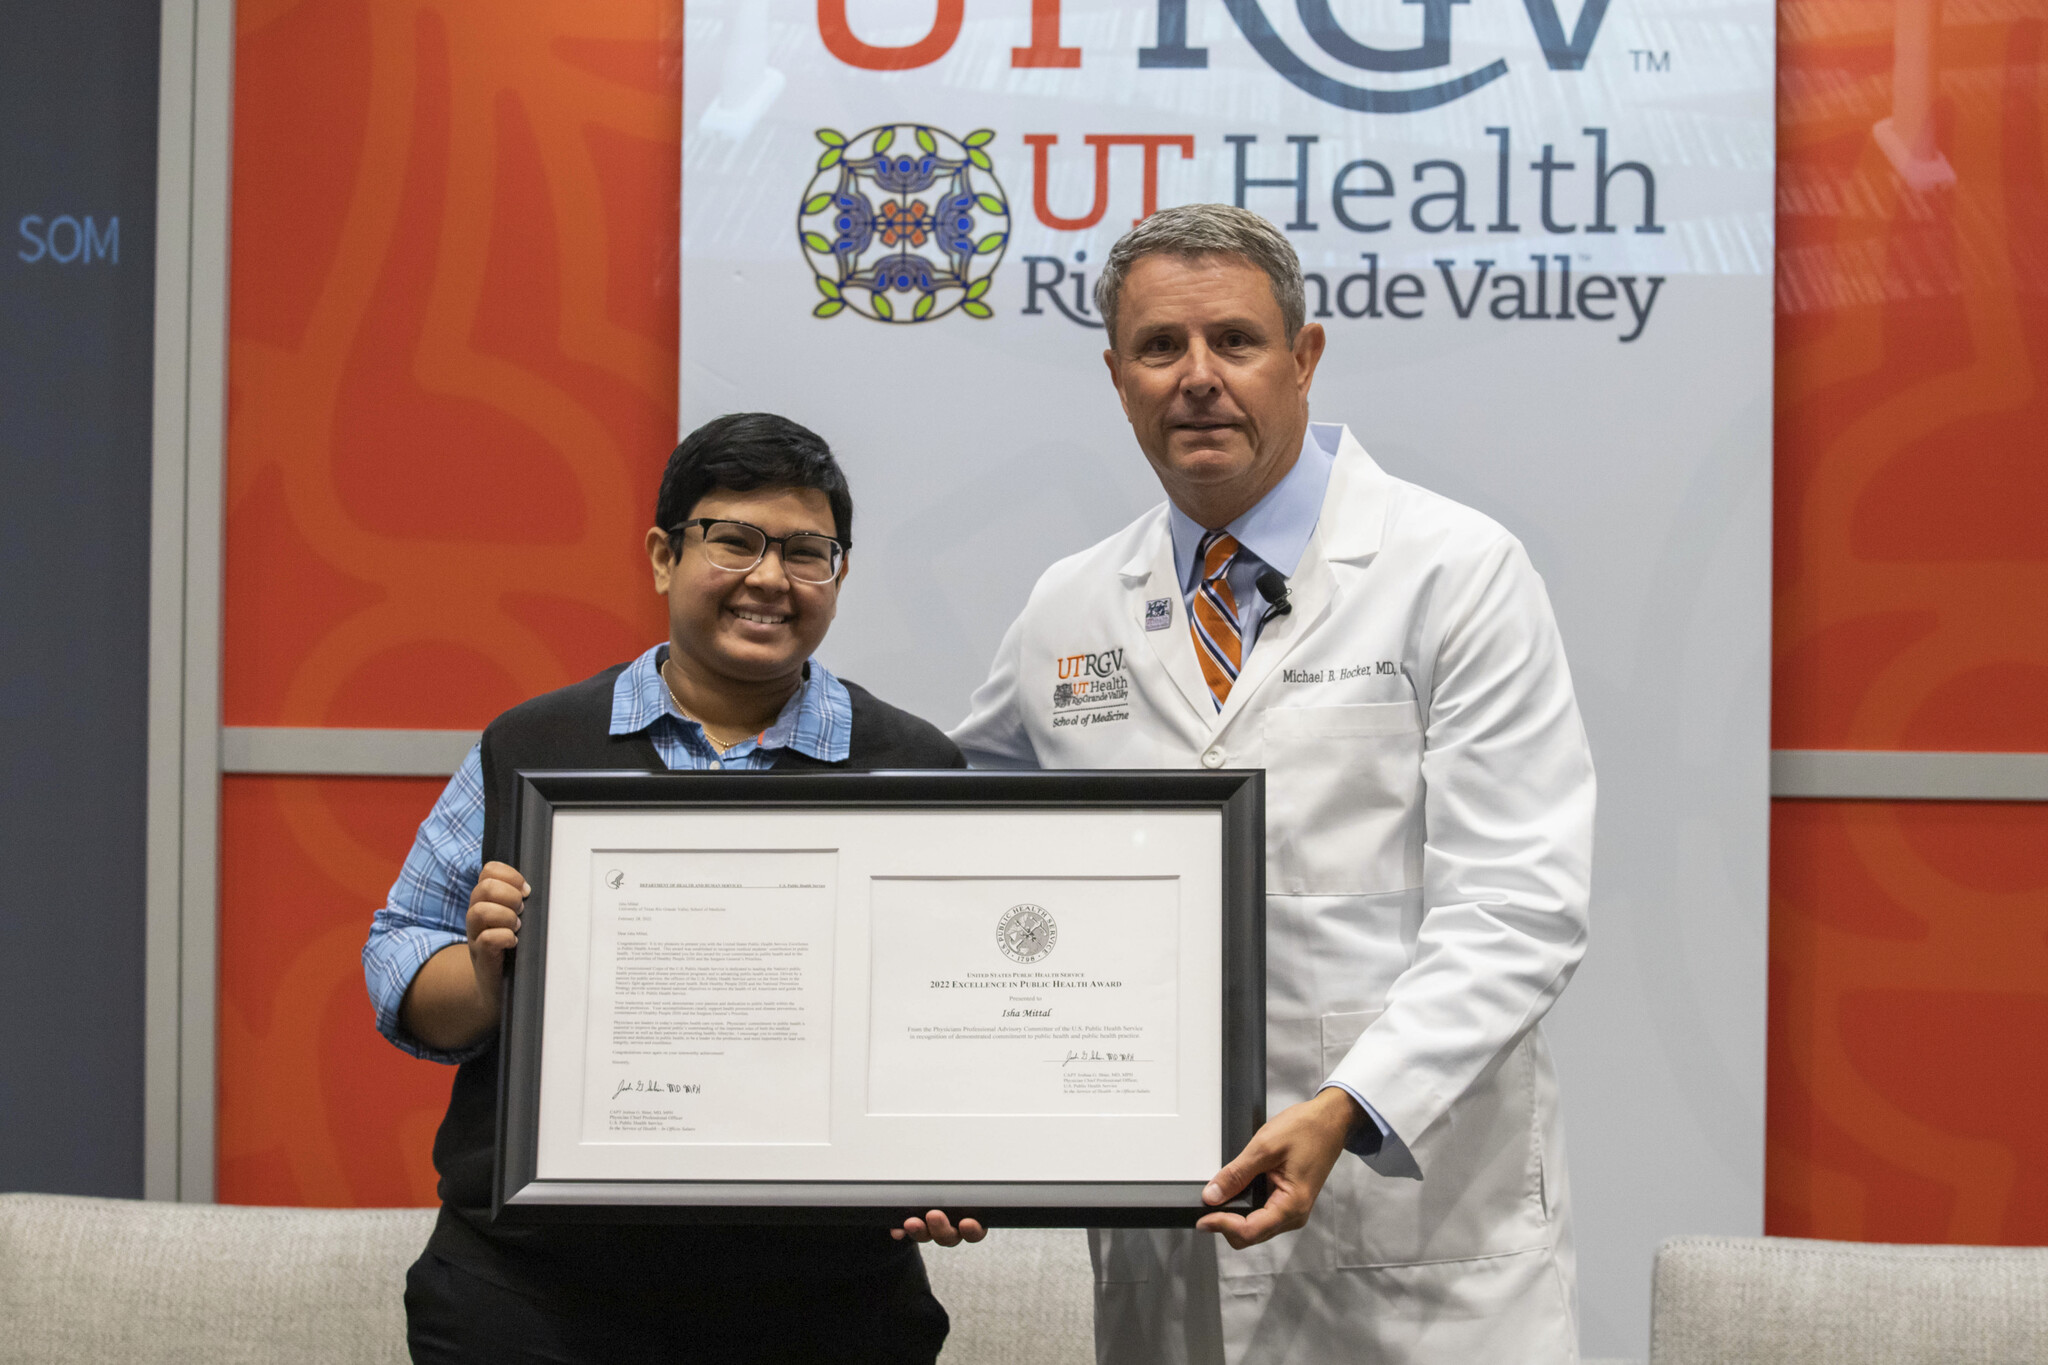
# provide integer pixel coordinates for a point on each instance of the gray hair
(1193, 230)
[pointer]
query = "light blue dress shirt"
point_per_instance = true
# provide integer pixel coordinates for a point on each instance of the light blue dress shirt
(1275, 534)
(428, 907)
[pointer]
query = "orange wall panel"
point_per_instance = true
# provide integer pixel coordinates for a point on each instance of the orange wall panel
(1909, 1022)
(452, 389)
(1912, 413)
(452, 352)
(1908, 1088)
(315, 1107)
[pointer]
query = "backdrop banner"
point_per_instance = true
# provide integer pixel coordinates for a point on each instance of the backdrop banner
(1539, 235)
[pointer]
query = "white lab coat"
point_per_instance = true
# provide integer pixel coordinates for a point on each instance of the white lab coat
(1429, 826)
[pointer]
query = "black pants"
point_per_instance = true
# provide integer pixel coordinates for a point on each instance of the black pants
(455, 1317)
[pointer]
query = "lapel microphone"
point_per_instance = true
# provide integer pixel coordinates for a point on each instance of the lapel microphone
(1272, 585)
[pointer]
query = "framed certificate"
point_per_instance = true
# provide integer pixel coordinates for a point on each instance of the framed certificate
(1025, 997)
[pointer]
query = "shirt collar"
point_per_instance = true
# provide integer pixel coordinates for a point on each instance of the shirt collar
(1276, 530)
(817, 720)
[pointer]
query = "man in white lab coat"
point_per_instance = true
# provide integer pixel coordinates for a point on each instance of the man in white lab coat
(1390, 659)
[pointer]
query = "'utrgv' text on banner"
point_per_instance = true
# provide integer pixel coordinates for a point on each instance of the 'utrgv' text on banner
(1539, 235)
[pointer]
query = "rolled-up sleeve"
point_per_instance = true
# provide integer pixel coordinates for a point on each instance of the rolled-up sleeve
(428, 906)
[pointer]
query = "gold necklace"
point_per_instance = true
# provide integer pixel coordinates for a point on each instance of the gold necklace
(713, 740)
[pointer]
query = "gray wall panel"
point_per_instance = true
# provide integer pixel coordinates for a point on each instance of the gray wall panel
(78, 104)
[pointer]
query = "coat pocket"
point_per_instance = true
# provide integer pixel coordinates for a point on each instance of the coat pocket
(1343, 797)
(1340, 1032)
(1481, 1187)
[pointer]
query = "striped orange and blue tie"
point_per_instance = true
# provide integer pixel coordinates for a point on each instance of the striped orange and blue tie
(1219, 640)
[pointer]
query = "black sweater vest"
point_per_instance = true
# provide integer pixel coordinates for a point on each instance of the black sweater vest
(570, 729)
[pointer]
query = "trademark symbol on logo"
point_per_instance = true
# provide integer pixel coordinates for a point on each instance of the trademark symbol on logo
(904, 223)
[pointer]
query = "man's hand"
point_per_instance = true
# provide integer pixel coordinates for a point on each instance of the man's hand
(936, 1227)
(1295, 1151)
(453, 1001)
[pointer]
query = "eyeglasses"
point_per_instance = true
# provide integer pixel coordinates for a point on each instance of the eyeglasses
(737, 546)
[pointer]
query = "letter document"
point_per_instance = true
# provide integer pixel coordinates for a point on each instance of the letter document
(710, 997)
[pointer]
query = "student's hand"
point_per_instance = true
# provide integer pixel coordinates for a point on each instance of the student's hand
(936, 1227)
(453, 1001)
(493, 924)
(1295, 1151)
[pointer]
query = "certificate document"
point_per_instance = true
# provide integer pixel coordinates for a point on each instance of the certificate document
(710, 996)
(852, 996)
(1016, 996)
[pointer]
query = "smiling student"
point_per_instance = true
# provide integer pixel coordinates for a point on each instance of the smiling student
(749, 547)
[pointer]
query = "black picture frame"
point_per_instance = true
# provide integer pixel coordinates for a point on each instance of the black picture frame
(1238, 795)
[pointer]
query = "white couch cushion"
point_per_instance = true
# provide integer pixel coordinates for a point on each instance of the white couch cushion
(116, 1280)
(1020, 1296)
(1789, 1301)
(104, 1280)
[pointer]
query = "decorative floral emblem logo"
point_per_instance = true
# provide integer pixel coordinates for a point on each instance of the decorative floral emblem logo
(904, 223)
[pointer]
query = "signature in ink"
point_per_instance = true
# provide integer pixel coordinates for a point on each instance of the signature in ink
(643, 1086)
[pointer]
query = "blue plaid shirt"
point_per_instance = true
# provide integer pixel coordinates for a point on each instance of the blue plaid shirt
(428, 907)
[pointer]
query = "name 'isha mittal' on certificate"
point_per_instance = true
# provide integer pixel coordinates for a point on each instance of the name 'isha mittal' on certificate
(1051, 996)
(710, 997)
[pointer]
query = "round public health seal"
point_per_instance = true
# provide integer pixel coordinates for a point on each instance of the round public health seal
(1026, 933)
